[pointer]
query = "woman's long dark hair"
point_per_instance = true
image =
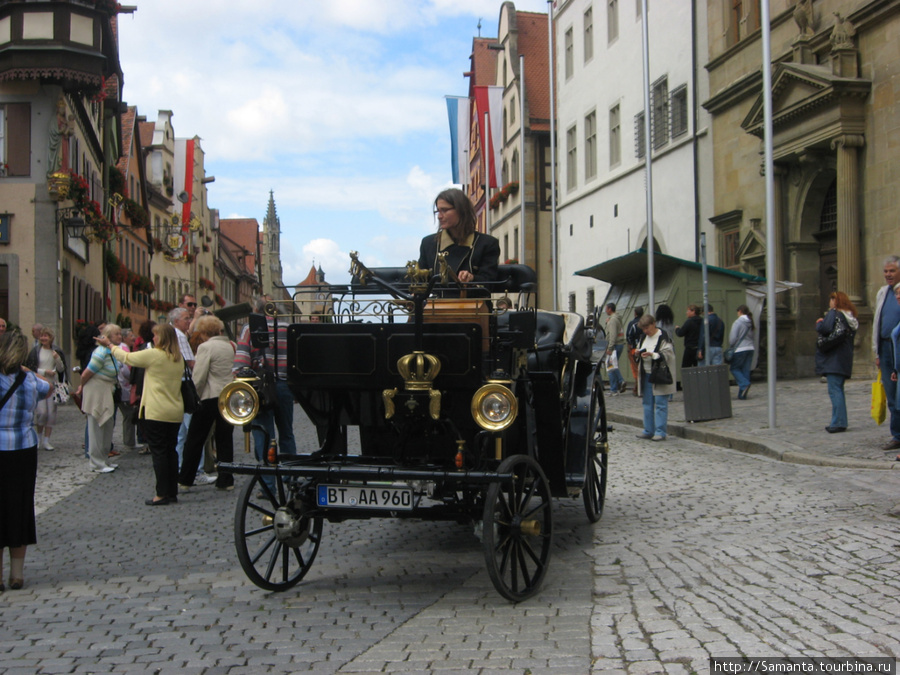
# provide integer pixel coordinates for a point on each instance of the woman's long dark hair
(664, 314)
(463, 207)
(743, 309)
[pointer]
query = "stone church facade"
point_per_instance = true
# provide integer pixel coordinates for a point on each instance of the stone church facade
(836, 138)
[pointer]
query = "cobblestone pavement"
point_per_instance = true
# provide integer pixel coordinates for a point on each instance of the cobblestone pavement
(802, 411)
(702, 552)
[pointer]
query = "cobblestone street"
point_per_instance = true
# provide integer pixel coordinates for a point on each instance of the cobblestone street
(702, 552)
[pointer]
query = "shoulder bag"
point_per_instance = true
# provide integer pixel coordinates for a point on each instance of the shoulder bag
(189, 394)
(20, 378)
(837, 336)
(659, 369)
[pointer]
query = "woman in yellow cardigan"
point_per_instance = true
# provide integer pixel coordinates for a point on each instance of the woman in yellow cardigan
(162, 409)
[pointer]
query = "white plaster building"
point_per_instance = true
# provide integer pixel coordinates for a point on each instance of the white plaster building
(601, 210)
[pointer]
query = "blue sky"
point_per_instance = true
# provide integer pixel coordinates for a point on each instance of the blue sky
(337, 106)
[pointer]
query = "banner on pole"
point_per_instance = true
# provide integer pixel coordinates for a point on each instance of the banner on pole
(489, 99)
(458, 111)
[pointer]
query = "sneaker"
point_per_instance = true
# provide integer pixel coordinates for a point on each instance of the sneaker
(658, 438)
(105, 469)
(47, 445)
(645, 437)
(623, 388)
(205, 479)
(112, 466)
(227, 488)
(184, 488)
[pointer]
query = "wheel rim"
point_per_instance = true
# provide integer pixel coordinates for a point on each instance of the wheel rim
(275, 546)
(518, 529)
(596, 459)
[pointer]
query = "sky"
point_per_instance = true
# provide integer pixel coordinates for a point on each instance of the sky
(336, 106)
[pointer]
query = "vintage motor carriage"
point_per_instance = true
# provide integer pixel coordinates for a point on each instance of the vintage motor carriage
(465, 412)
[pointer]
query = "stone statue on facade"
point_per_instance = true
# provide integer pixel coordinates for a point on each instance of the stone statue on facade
(804, 18)
(61, 128)
(842, 33)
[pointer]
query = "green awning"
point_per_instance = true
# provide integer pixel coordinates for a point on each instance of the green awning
(634, 265)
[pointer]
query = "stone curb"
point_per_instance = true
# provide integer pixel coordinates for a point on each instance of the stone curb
(779, 450)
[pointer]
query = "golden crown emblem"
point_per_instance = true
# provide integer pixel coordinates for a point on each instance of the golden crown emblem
(418, 370)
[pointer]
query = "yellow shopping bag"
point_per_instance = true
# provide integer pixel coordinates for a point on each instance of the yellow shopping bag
(879, 401)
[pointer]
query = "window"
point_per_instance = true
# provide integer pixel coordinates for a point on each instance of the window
(505, 127)
(504, 172)
(615, 137)
(512, 111)
(15, 139)
(589, 34)
(679, 111)
(589, 306)
(640, 144)
(660, 106)
(546, 174)
(571, 302)
(514, 168)
(590, 146)
(612, 20)
(731, 242)
(570, 54)
(571, 158)
(516, 245)
(741, 23)
(506, 247)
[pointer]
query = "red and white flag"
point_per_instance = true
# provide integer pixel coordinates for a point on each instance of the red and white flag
(489, 99)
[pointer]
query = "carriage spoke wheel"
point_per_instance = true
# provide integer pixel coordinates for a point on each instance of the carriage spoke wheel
(596, 457)
(275, 544)
(518, 529)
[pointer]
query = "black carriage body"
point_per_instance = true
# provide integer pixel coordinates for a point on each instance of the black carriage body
(422, 452)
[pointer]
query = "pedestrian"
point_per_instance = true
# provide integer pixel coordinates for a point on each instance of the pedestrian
(180, 319)
(887, 318)
(161, 407)
(20, 392)
(615, 344)
(2, 326)
(691, 331)
(212, 372)
(633, 336)
(280, 413)
(654, 345)
(716, 338)
(144, 340)
(741, 340)
(895, 344)
(129, 430)
(834, 357)
(47, 360)
(97, 389)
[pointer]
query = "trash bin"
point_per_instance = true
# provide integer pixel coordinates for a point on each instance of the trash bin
(706, 395)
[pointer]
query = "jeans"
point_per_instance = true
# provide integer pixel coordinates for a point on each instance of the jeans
(182, 437)
(282, 417)
(886, 363)
(740, 368)
(656, 408)
(615, 376)
(838, 402)
(715, 356)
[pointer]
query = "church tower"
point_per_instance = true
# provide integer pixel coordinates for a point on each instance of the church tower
(270, 258)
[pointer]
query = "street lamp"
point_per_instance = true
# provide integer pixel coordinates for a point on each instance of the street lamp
(72, 220)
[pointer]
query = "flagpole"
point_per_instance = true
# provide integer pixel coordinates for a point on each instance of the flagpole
(651, 275)
(553, 233)
(770, 207)
(521, 251)
(486, 146)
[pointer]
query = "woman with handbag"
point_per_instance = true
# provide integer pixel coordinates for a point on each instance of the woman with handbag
(212, 372)
(655, 355)
(47, 361)
(161, 407)
(742, 345)
(20, 392)
(834, 354)
(98, 399)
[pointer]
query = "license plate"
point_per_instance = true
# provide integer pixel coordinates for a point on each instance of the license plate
(365, 497)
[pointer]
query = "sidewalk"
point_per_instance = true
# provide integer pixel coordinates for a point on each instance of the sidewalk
(802, 411)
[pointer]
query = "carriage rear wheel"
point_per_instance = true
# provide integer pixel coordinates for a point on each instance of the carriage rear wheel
(518, 529)
(276, 544)
(596, 457)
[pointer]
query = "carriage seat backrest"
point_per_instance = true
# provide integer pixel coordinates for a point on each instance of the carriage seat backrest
(563, 329)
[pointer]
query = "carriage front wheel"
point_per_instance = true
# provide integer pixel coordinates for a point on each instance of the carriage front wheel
(518, 529)
(596, 456)
(276, 543)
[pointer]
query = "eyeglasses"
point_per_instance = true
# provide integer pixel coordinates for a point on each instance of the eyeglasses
(443, 210)
(191, 304)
